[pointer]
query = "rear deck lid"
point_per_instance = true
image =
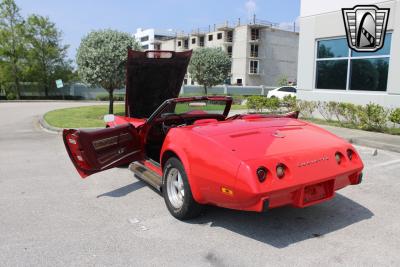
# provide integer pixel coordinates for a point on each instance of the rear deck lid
(151, 78)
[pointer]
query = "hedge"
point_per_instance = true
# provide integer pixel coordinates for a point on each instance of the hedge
(372, 117)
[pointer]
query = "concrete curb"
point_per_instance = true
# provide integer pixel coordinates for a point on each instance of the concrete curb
(374, 144)
(48, 127)
(365, 138)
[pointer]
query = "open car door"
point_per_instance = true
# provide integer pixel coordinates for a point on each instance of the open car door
(93, 151)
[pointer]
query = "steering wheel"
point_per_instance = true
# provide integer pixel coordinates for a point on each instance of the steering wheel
(165, 116)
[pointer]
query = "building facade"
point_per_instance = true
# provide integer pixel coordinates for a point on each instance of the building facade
(261, 54)
(150, 39)
(328, 70)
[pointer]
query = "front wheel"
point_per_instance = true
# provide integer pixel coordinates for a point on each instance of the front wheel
(176, 191)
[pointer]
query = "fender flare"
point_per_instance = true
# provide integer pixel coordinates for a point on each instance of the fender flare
(182, 156)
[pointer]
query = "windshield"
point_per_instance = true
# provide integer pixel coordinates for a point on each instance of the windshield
(200, 107)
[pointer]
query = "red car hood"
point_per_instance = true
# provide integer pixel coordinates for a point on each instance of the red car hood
(256, 139)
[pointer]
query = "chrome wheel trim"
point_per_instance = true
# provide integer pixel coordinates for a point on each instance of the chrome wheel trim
(175, 189)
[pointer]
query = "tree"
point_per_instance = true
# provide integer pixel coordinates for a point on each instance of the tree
(209, 67)
(12, 42)
(47, 56)
(100, 59)
(283, 80)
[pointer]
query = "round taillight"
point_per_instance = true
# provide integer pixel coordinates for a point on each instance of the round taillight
(262, 174)
(350, 154)
(280, 170)
(338, 158)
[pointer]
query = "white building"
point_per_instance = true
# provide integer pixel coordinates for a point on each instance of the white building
(150, 38)
(329, 71)
(261, 53)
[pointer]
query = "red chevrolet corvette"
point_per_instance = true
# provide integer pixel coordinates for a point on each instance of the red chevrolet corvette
(195, 154)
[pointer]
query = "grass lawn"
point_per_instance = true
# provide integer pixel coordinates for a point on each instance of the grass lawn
(81, 117)
(92, 116)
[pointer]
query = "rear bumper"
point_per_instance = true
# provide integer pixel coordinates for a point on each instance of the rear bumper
(301, 195)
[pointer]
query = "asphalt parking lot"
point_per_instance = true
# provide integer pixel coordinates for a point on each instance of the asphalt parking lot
(49, 216)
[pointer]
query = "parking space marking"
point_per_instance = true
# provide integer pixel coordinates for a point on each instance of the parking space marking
(385, 163)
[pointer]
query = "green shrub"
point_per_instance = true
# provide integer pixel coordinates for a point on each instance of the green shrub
(256, 102)
(105, 97)
(327, 109)
(348, 113)
(272, 103)
(289, 102)
(306, 108)
(395, 116)
(373, 117)
(11, 95)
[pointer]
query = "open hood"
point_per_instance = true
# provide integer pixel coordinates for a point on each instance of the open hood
(151, 78)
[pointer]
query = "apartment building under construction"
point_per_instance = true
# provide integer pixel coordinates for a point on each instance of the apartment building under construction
(261, 52)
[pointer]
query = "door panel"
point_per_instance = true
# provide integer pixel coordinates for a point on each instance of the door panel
(93, 151)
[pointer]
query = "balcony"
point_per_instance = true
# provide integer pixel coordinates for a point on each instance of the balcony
(254, 38)
(228, 39)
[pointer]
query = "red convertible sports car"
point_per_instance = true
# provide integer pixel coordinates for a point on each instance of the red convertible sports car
(195, 154)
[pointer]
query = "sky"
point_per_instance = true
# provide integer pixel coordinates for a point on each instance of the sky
(76, 18)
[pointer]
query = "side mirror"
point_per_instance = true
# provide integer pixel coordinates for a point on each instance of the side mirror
(109, 118)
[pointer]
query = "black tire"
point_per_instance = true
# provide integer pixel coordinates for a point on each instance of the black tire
(190, 208)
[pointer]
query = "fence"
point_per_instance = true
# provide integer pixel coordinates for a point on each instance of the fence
(226, 90)
(82, 91)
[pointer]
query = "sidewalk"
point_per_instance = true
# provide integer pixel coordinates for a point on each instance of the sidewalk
(365, 138)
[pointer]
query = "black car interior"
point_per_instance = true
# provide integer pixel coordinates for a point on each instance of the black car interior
(160, 127)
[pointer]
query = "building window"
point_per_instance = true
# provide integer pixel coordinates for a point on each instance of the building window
(239, 82)
(179, 43)
(253, 67)
(185, 81)
(229, 50)
(331, 74)
(186, 43)
(338, 67)
(219, 35)
(192, 82)
(201, 41)
(144, 47)
(144, 38)
(210, 37)
(229, 36)
(255, 34)
(193, 40)
(253, 50)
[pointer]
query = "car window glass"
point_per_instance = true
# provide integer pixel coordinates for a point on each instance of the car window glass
(201, 106)
(287, 89)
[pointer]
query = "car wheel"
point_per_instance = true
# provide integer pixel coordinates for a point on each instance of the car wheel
(176, 191)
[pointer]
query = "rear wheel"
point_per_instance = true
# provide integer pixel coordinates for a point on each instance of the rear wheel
(176, 191)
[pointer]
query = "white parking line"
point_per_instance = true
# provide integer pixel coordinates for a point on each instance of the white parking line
(386, 163)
